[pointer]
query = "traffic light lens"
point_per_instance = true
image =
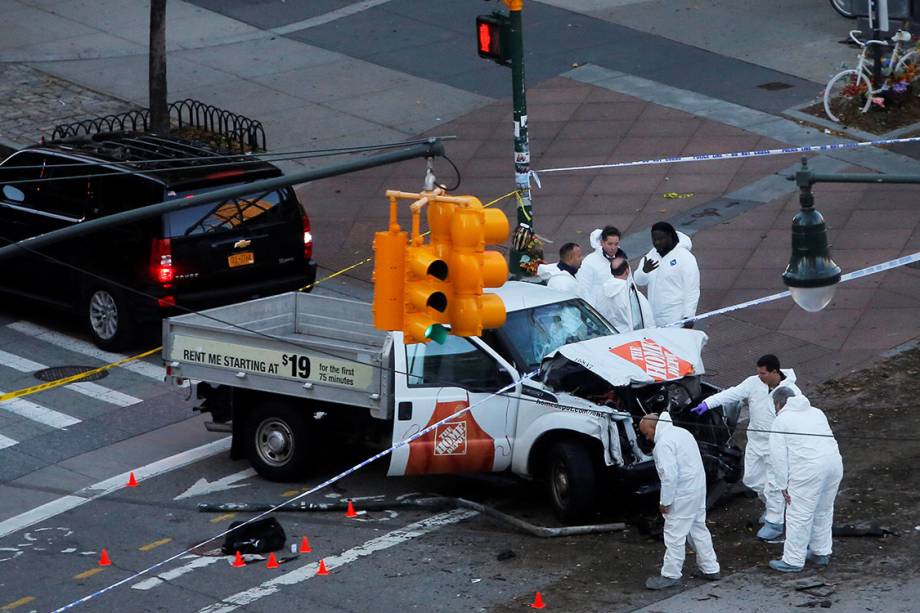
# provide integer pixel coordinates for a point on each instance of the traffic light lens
(437, 333)
(485, 38)
(438, 302)
(438, 270)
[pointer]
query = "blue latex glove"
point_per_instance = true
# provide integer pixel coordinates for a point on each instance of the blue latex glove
(700, 408)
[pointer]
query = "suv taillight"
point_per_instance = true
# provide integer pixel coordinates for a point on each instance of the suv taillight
(161, 266)
(307, 238)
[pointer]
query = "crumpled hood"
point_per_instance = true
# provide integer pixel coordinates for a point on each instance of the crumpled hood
(664, 424)
(643, 356)
(790, 375)
(684, 241)
(797, 403)
(595, 239)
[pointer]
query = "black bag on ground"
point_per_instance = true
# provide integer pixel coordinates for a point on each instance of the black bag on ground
(260, 536)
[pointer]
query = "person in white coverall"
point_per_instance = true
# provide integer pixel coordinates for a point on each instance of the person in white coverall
(672, 276)
(561, 276)
(595, 268)
(621, 303)
(756, 390)
(808, 470)
(682, 500)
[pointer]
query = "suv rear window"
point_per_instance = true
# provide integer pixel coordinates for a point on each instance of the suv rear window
(226, 215)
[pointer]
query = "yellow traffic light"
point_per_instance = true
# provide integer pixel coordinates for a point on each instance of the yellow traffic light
(473, 268)
(389, 277)
(425, 301)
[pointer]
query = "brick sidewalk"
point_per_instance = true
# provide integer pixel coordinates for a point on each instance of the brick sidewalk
(740, 258)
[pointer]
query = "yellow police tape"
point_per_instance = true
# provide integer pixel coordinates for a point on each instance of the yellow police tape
(73, 378)
(66, 380)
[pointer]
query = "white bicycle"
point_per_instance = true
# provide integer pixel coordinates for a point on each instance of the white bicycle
(852, 89)
(843, 8)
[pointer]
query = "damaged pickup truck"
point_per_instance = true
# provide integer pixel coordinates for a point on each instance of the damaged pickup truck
(287, 372)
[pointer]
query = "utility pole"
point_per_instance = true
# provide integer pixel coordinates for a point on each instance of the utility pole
(500, 38)
(878, 21)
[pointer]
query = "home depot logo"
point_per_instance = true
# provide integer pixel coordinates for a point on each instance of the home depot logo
(450, 439)
(658, 362)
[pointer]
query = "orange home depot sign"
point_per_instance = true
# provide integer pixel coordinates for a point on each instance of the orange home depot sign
(456, 446)
(657, 361)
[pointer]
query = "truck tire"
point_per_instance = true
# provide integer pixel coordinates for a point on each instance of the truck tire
(571, 481)
(277, 441)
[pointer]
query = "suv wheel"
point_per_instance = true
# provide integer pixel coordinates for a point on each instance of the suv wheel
(108, 319)
(571, 481)
(277, 442)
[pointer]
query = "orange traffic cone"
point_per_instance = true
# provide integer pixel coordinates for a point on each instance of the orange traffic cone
(304, 545)
(238, 561)
(351, 510)
(272, 561)
(538, 602)
(104, 559)
(132, 482)
(321, 571)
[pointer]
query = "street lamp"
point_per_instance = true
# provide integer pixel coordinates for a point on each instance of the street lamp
(811, 275)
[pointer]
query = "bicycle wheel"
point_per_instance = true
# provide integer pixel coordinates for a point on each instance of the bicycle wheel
(907, 67)
(846, 94)
(843, 8)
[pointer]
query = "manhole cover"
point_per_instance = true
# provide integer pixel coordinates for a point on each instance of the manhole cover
(774, 85)
(62, 372)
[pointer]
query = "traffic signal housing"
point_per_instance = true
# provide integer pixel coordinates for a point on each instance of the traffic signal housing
(492, 37)
(473, 268)
(425, 303)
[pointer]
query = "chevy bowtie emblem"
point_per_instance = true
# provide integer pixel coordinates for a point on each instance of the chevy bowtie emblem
(242, 244)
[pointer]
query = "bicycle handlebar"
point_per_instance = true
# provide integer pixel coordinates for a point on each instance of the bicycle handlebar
(853, 34)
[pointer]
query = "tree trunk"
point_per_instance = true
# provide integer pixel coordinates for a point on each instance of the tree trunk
(159, 112)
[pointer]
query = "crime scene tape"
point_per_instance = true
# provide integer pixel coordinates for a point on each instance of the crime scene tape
(856, 274)
(313, 490)
(73, 378)
(709, 157)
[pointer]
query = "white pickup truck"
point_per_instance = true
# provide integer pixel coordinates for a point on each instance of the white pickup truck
(283, 372)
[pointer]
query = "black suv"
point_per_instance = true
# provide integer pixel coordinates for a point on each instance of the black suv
(199, 256)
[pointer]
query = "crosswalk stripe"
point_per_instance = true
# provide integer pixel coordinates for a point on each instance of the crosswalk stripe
(79, 346)
(198, 562)
(86, 388)
(6, 441)
(38, 413)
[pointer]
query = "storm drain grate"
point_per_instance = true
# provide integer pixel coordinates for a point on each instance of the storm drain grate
(62, 372)
(772, 86)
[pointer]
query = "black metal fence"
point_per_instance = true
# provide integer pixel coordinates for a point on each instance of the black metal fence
(233, 129)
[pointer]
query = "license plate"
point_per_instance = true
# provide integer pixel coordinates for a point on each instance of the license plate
(241, 259)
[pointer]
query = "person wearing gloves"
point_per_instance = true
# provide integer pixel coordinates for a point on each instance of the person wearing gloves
(756, 390)
(682, 500)
(561, 276)
(672, 276)
(807, 467)
(595, 268)
(621, 302)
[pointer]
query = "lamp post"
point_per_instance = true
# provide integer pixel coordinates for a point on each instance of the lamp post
(812, 275)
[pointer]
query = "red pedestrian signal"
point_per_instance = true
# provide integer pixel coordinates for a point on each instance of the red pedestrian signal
(492, 36)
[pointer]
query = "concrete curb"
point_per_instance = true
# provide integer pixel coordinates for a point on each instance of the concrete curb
(796, 113)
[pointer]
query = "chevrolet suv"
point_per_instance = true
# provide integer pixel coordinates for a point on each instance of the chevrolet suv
(117, 279)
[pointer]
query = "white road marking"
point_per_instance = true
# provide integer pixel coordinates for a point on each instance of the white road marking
(308, 571)
(198, 562)
(78, 346)
(319, 20)
(86, 388)
(37, 413)
(203, 486)
(6, 441)
(103, 488)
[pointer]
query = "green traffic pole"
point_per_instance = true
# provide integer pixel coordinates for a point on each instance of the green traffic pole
(521, 142)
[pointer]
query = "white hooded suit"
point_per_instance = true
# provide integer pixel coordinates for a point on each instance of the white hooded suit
(557, 279)
(809, 468)
(683, 489)
(673, 287)
(622, 304)
(757, 453)
(593, 272)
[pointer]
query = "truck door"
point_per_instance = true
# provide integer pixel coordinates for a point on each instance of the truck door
(434, 381)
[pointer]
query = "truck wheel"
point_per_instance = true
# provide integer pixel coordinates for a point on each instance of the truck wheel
(571, 481)
(276, 442)
(110, 323)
